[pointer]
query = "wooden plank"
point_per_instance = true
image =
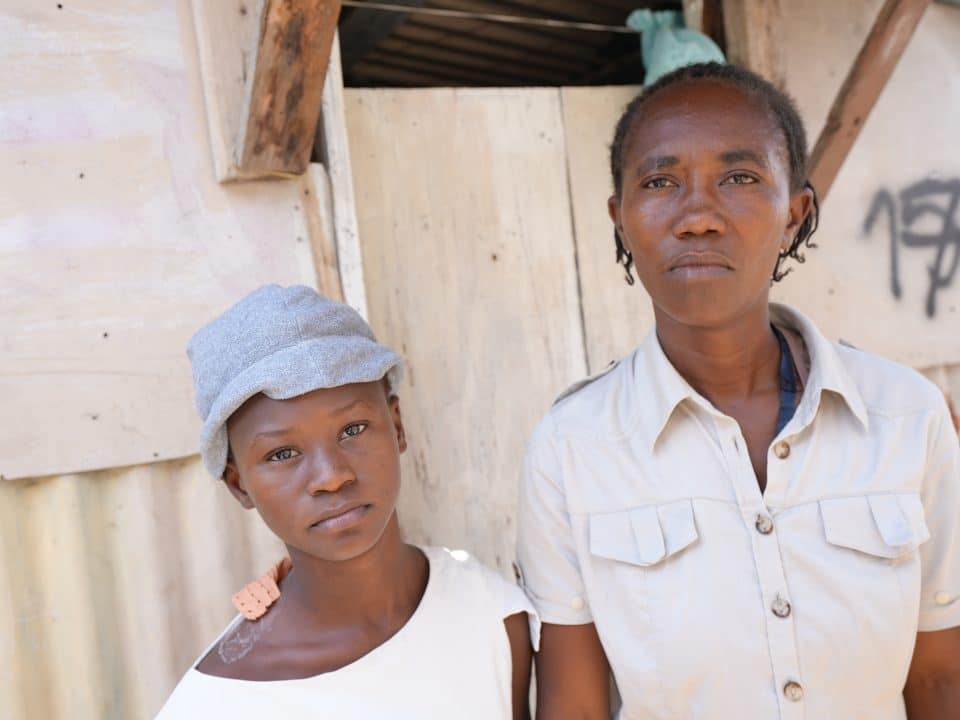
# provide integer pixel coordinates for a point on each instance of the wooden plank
(336, 158)
(752, 29)
(616, 316)
(468, 254)
(226, 35)
(282, 106)
(879, 55)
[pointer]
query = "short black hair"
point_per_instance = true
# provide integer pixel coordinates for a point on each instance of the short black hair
(782, 111)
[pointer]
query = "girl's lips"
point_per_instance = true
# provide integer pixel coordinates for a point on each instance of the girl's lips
(342, 520)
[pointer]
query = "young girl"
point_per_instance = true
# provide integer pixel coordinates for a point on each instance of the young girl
(741, 519)
(300, 421)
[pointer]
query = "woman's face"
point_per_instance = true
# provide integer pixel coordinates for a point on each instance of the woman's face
(322, 469)
(705, 205)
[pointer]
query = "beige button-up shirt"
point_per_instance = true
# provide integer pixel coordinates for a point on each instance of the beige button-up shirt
(640, 512)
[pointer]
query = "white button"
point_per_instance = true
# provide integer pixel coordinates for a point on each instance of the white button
(780, 607)
(941, 598)
(577, 603)
(793, 691)
(764, 524)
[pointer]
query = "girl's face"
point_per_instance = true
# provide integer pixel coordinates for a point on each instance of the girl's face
(322, 469)
(705, 206)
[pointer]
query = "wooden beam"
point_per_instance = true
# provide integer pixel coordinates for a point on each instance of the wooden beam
(281, 109)
(263, 63)
(879, 55)
(752, 29)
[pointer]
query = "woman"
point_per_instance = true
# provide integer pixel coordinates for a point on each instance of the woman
(740, 519)
(301, 423)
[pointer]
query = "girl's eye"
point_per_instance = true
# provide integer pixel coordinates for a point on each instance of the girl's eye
(658, 183)
(740, 179)
(282, 454)
(353, 430)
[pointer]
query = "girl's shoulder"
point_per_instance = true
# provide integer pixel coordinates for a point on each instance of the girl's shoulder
(465, 585)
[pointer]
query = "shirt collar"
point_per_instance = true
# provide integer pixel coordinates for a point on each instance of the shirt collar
(662, 389)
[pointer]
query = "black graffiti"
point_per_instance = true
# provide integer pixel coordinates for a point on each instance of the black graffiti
(938, 199)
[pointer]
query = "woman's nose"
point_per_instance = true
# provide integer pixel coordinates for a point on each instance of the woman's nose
(698, 216)
(329, 471)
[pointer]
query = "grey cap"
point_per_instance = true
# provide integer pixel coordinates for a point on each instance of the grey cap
(282, 342)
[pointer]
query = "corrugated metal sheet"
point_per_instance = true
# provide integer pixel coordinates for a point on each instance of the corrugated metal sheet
(113, 582)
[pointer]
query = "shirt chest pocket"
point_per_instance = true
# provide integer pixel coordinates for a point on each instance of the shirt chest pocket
(872, 553)
(645, 535)
(882, 526)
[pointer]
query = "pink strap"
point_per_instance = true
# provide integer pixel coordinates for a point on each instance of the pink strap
(256, 598)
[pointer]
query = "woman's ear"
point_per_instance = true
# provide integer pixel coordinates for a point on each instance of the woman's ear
(231, 477)
(398, 422)
(613, 209)
(801, 203)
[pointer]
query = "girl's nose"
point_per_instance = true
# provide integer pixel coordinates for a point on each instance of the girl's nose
(328, 471)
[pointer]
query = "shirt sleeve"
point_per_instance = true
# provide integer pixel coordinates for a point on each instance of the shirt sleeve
(550, 572)
(940, 555)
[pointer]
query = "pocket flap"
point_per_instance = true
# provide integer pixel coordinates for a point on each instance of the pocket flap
(644, 535)
(882, 525)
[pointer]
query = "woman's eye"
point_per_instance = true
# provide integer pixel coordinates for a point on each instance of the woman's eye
(658, 183)
(741, 179)
(353, 430)
(282, 454)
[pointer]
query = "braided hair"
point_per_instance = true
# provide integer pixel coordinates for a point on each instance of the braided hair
(782, 110)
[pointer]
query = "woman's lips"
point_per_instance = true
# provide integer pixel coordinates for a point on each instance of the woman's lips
(341, 520)
(691, 265)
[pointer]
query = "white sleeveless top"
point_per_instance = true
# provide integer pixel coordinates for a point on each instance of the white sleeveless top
(450, 660)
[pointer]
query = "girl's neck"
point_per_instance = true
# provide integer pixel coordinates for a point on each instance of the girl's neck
(382, 587)
(726, 362)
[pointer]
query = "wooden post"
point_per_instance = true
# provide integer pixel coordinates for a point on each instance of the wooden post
(752, 29)
(263, 70)
(332, 131)
(878, 57)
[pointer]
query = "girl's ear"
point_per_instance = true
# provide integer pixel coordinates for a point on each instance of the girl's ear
(398, 423)
(801, 203)
(231, 476)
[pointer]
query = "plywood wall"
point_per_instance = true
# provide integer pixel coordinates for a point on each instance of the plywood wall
(469, 261)
(116, 241)
(906, 161)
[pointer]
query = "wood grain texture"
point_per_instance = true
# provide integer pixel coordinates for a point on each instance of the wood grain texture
(116, 241)
(282, 105)
(469, 261)
(616, 316)
(753, 31)
(881, 51)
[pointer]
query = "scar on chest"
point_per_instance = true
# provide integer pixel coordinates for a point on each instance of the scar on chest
(242, 639)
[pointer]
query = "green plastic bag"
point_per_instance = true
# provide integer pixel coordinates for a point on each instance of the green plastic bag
(667, 45)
